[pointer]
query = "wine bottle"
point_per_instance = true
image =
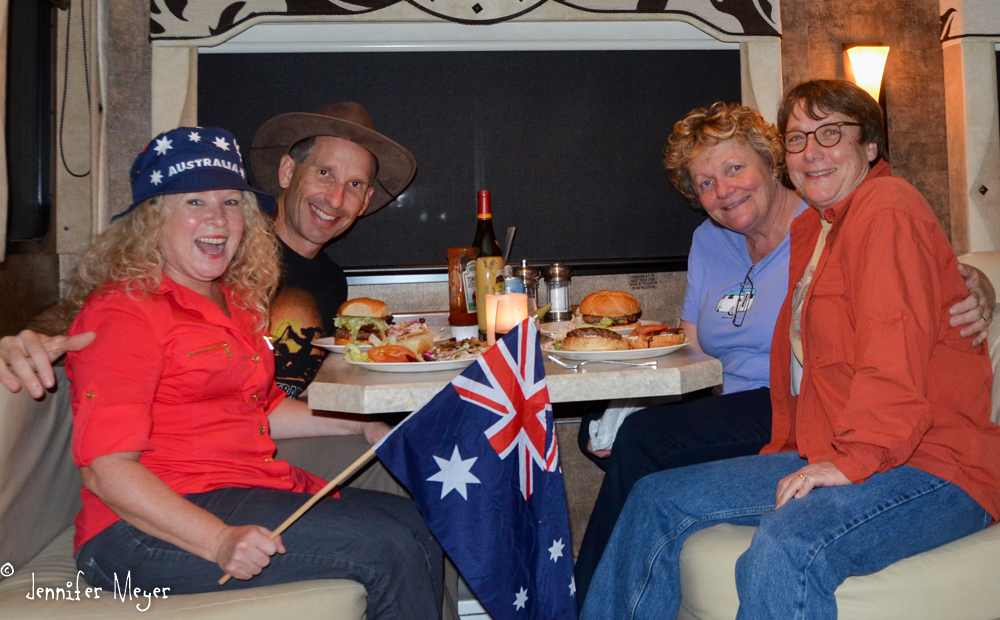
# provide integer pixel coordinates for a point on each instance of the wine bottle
(489, 262)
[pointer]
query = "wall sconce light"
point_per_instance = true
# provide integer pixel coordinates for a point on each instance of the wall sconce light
(864, 65)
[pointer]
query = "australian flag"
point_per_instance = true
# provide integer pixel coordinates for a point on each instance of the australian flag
(482, 463)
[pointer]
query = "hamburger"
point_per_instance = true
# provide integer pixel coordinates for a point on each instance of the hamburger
(593, 339)
(609, 309)
(654, 336)
(358, 319)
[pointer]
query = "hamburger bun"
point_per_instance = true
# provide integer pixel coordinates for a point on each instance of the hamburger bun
(610, 303)
(363, 306)
(593, 339)
(654, 336)
(618, 307)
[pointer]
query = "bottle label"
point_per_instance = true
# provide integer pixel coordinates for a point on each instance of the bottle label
(487, 268)
(469, 277)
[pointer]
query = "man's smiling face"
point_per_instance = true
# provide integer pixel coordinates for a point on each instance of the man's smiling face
(322, 196)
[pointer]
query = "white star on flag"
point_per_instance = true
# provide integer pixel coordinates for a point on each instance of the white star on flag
(163, 145)
(156, 178)
(454, 474)
(555, 551)
(237, 148)
(521, 599)
(221, 143)
(572, 586)
(194, 136)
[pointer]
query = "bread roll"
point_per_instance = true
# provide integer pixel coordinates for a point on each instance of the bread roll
(364, 306)
(593, 339)
(610, 304)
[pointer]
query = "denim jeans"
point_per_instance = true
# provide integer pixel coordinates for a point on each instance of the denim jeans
(696, 430)
(377, 539)
(800, 552)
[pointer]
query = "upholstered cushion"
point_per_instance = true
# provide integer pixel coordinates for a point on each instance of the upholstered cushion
(958, 580)
(39, 485)
(334, 599)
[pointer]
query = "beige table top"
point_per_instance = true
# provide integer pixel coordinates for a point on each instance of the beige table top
(340, 386)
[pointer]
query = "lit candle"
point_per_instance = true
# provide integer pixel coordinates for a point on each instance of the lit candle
(512, 308)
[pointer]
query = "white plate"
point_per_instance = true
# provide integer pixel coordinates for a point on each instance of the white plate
(551, 329)
(414, 366)
(329, 343)
(617, 356)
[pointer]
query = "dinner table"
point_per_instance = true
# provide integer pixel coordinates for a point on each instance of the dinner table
(341, 386)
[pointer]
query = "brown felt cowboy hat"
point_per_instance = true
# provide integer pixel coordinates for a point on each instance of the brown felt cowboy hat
(350, 121)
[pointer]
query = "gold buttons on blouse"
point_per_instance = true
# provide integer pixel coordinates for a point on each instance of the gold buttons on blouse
(255, 358)
(268, 460)
(263, 430)
(255, 398)
(90, 393)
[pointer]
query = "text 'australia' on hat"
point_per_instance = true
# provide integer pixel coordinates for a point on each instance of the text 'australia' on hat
(191, 159)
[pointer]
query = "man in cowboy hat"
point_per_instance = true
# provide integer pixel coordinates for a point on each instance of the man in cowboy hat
(327, 168)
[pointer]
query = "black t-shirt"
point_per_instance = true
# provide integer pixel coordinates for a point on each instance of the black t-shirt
(312, 289)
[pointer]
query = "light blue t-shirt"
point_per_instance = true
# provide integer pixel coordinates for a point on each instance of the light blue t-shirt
(735, 303)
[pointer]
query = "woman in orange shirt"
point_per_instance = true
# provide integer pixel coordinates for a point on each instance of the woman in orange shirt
(882, 446)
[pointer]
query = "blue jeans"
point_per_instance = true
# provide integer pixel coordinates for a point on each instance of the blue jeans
(799, 554)
(695, 430)
(374, 538)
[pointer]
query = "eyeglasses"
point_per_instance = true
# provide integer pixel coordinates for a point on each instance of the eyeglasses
(826, 135)
(744, 299)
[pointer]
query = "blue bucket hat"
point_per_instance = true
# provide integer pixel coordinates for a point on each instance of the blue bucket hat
(191, 159)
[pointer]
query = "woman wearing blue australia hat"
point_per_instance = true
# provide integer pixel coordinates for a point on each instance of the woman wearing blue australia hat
(175, 405)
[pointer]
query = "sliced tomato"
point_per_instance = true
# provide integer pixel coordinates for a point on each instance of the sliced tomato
(649, 330)
(391, 353)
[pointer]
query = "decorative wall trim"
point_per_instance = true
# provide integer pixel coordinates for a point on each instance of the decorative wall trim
(213, 21)
(969, 18)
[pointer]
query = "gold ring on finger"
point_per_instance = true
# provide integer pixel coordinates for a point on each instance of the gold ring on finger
(803, 476)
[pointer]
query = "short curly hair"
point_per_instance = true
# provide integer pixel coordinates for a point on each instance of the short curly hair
(704, 128)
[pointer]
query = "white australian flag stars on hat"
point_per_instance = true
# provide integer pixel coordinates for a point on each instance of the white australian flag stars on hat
(191, 159)
(164, 144)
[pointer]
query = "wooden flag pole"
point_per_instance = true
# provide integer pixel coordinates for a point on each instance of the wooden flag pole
(353, 467)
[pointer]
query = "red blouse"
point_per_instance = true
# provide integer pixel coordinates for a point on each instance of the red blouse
(172, 377)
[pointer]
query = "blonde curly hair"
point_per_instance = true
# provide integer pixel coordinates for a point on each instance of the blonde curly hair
(127, 255)
(704, 128)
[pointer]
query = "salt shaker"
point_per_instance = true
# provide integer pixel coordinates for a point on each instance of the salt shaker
(557, 281)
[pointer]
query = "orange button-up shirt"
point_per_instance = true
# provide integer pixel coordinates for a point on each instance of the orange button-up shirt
(173, 378)
(886, 380)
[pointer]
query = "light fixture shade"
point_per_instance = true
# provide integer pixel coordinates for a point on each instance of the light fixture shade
(867, 64)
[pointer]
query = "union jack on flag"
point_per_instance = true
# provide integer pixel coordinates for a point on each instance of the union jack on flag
(502, 520)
